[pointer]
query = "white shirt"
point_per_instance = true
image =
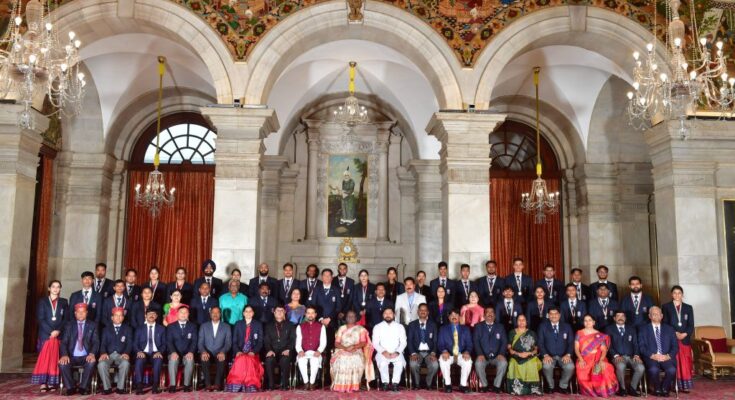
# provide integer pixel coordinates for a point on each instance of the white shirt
(389, 337)
(215, 327)
(153, 334)
(322, 339)
(408, 311)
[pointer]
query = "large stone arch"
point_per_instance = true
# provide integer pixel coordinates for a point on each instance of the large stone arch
(382, 23)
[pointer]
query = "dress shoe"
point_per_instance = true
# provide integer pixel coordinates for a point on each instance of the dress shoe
(464, 389)
(187, 388)
(384, 387)
(107, 392)
(448, 389)
(121, 391)
(172, 389)
(564, 390)
(482, 389)
(83, 392)
(634, 392)
(548, 390)
(156, 390)
(139, 390)
(664, 394)
(68, 392)
(497, 390)
(395, 388)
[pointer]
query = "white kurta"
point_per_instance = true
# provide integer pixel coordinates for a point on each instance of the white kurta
(392, 339)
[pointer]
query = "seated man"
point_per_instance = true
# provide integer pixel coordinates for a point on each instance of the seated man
(79, 344)
(149, 347)
(421, 343)
(658, 347)
(624, 353)
(215, 341)
(490, 343)
(181, 343)
(115, 348)
(455, 346)
(556, 346)
(279, 343)
(311, 340)
(389, 341)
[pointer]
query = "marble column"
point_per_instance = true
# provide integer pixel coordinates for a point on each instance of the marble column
(382, 143)
(18, 164)
(686, 175)
(312, 171)
(269, 209)
(240, 134)
(427, 188)
(465, 168)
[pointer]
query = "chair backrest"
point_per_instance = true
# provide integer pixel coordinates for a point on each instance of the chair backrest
(709, 332)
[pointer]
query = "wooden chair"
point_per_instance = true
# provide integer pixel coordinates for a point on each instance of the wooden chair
(706, 361)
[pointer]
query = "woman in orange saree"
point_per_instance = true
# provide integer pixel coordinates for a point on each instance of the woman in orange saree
(352, 356)
(596, 376)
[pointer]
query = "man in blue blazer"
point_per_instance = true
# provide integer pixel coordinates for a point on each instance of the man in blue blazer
(181, 344)
(201, 305)
(256, 334)
(309, 285)
(102, 285)
(464, 286)
(583, 291)
(455, 346)
(79, 345)
(490, 344)
(117, 299)
(262, 277)
(553, 287)
(328, 303)
(287, 285)
(602, 278)
(443, 280)
(521, 283)
(88, 296)
(264, 304)
(490, 286)
(149, 347)
(115, 348)
(556, 346)
(624, 353)
(636, 305)
(375, 307)
(572, 309)
(421, 347)
(602, 307)
(507, 310)
(658, 347)
(346, 286)
(216, 286)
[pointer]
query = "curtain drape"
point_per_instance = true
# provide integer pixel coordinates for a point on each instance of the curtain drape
(514, 233)
(181, 235)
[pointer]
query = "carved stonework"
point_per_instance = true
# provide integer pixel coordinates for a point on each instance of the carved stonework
(354, 10)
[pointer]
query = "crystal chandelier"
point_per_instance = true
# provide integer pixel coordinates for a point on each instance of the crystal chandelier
(32, 59)
(155, 195)
(539, 201)
(656, 95)
(351, 113)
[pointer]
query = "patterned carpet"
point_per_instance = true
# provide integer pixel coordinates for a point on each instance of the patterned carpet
(17, 386)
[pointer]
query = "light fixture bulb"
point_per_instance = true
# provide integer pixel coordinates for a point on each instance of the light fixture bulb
(703, 41)
(649, 47)
(719, 45)
(677, 42)
(72, 35)
(630, 95)
(636, 55)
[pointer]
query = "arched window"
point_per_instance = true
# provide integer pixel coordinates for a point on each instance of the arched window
(513, 152)
(186, 140)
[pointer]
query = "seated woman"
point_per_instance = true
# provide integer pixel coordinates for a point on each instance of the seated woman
(595, 375)
(247, 341)
(472, 313)
(50, 313)
(294, 309)
(352, 356)
(171, 310)
(523, 370)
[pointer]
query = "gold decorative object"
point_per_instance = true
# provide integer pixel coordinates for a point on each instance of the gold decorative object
(347, 251)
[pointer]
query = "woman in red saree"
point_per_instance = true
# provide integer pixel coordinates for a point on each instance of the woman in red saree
(51, 315)
(247, 341)
(680, 315)
(596, 376)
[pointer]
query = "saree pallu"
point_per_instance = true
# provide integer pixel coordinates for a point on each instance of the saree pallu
(684, 366)
(597, 378)
(245, 374)
(347, 368)
(46, 371)
(523, 373)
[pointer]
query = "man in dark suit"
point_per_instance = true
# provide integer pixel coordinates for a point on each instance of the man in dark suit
(181, 344)
(464, 286)
(584, 294)
(443, 280)
(624, 353)
(88, 296)
(216, 286)
(310, 284)
(118, 299)
(102, 285)
(149, 347)
(115, 348)
(215, 342)
(287, 285)
(490, 286)
(346, 287)
(421, 344)
(521, 283)
(263, 304)
(508, 309)
(556, 346)
(490, 343)
(139, 309)
(79, 345)
(375, 307)
(278, 346)
(602, 308)
(132, 289)
(602, 278)
(262, 277)
(636, 305)
(202, 304)
(328, 303)
(238, 334)
(553, 287)
(572, 309)
(658, 347)
(455, 346)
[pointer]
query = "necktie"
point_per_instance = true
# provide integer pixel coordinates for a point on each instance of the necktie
(604, 303)
(117, 330)
(423, 333)
(549, 285)
(574, 308)
(119, 300)
(265, 301)
(579, 292)
(150, 338)
(80, 336)
(380, 302)
(518, 281)
(556, 329)
(288, 285)
(86, 296)
(509, 308)
(183, 326)
(130, 289)
(204, 303)
(541, 310)
(209, 281)
(99, 285)
(466, 288)
(622, 331)
(455, 348)
(443, 283)
(492, 283)
(635, 302)
(658, 340)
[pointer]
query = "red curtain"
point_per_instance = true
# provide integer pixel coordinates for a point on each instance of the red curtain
(514, 233)
(181, 235)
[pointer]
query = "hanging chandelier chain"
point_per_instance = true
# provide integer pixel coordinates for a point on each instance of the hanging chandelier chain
(351, 113)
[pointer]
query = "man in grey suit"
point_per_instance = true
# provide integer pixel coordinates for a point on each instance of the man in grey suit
(215, 341)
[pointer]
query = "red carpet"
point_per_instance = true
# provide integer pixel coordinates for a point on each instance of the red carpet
(18, 386)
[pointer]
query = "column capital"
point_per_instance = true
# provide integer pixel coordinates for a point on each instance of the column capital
(242, 123)
(19, 147)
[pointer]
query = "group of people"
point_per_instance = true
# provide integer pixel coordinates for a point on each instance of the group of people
(252, 333)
